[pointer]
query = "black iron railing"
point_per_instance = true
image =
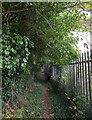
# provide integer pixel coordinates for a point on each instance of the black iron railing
(79, 75)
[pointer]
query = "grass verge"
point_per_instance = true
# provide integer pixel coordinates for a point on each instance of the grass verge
(61, 109)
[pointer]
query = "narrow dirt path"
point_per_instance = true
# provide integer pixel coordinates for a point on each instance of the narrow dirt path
(48, 107)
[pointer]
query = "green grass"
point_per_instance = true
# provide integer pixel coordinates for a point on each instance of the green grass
(35, 108)
(61, 109)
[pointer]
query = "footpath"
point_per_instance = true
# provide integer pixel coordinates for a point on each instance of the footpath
(47, 105)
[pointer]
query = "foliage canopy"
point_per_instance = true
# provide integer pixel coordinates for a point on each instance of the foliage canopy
(36, 34)
(39, 33)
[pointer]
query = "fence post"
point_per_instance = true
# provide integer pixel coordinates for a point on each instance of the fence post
(83, 79)
(91, 62)
(75, 78)
(89, 82)
(78, 80)
(86, 78)
(70, 73)
(60, 72)
(91, 54)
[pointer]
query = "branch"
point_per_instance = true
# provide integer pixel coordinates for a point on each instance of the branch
(85, 9)
(45, 19)
(15, 11)
(23, 10)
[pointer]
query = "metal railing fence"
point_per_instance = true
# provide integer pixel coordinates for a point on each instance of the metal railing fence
(77, 75)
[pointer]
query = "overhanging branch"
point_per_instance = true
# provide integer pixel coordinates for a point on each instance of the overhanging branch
(45, 19)
(51, 9)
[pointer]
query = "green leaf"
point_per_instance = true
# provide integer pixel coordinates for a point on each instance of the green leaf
(1, 39)
(6, 52)
(21, 42)
(74, 99)
(14, 62)
(24, 59)
(75, 107)
(26, 49)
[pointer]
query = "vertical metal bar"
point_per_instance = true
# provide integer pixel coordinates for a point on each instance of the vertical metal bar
(60, 72)
(70, 76)
(83, 79)
(55, 72)
(74, 75)
(89, 79)
(91, 58)
(78, 79)
(81, 82)
(70, 73)
(91, 61)
(86, 78)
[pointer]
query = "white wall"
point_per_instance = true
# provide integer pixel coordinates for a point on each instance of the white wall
(83, 41)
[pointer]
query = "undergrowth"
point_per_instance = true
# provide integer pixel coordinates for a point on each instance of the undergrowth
(66, 107)
(28, 104)
(61, 110)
